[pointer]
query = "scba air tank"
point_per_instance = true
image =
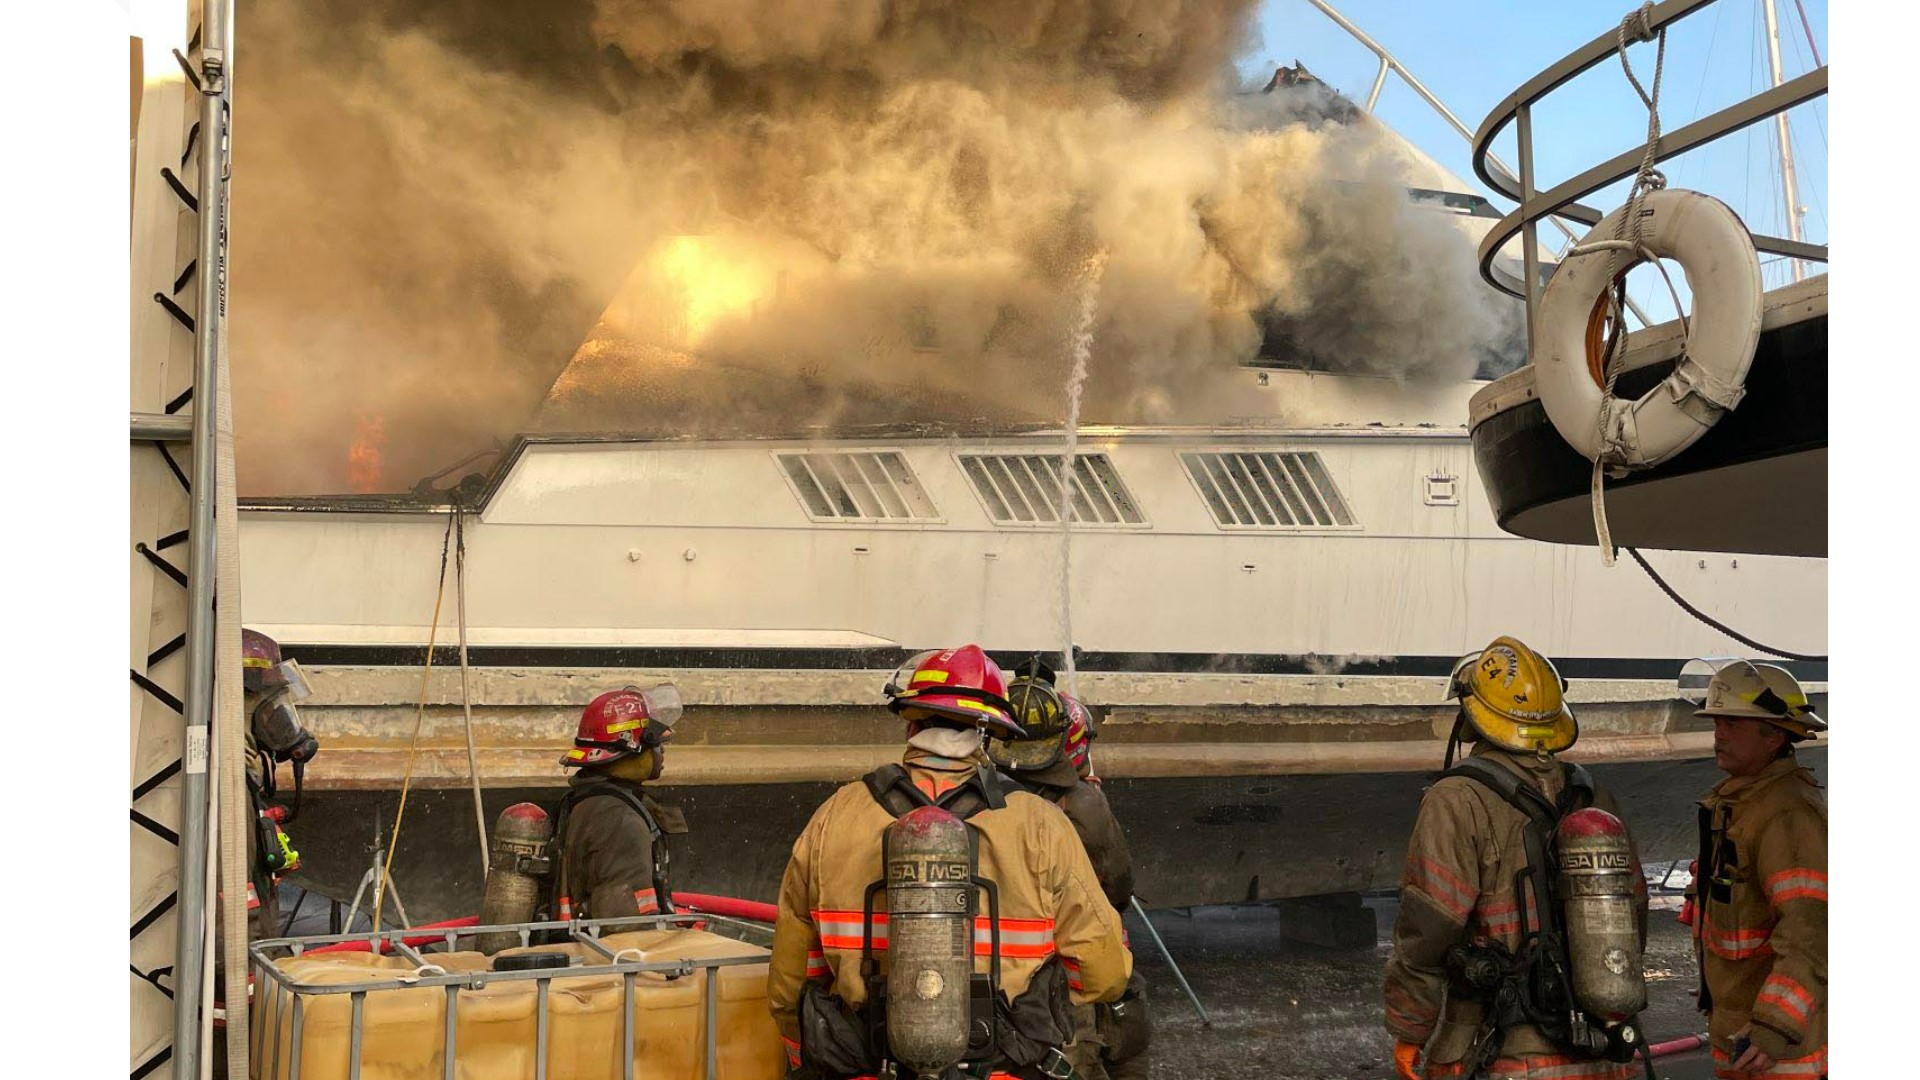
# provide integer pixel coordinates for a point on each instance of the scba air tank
(1598, 889)
(514, 887)
(930, 909)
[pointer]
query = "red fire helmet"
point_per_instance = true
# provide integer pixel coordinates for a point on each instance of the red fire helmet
(960, 684)
(624, 722)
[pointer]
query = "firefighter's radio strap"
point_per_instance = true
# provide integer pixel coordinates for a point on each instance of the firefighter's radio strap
(1713, 876)
(659, 819)
(273, 853)
(266, 786)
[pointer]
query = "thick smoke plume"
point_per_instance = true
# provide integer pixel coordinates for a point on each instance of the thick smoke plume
(765, 215)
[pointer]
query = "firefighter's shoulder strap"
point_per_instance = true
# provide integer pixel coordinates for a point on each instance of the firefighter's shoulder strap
(893, 788)
(1711, 883)
(650, 813)
(1543, 819)
(1575, 793)
(1519, 998)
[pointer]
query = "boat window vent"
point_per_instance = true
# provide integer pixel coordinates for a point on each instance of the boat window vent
(1024, 489)
(862, 485)
(1443, 489)
(1268, 489)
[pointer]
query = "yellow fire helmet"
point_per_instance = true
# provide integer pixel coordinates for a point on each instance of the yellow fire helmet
(1767, 692)
(1514, 698)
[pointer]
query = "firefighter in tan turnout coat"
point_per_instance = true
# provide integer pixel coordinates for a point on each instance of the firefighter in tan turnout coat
(1060, 940)
(1055, 761)
(1459, 885)
(1759, 901)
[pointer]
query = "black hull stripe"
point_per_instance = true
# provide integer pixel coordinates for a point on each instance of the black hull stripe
(776, 659)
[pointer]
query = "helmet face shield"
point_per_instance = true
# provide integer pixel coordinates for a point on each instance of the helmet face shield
(902, 679)
(295, 680)
(662, 709)
(258, 676)
(664, 706)
(1459, 684)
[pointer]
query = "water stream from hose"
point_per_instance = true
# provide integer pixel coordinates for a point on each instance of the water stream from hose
(1080, 346)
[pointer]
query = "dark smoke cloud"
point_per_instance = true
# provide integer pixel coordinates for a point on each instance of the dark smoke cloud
(436, 201)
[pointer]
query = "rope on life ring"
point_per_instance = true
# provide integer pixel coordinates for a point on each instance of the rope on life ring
(1580, 338)
(1574, 369)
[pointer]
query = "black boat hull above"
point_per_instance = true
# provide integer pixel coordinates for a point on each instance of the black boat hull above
(1705, 498)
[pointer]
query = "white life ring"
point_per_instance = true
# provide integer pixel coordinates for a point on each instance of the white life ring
(1713, 247)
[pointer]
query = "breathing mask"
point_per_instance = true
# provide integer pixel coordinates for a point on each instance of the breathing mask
(276, 721)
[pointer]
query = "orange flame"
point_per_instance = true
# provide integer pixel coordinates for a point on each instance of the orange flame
(363, 458)
(690, 284)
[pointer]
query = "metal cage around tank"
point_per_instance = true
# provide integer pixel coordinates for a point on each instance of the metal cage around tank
(265, 1038)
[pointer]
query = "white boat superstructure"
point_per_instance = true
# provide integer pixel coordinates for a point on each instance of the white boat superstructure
(1270, 599)
(1245, 569)
(1269, 615)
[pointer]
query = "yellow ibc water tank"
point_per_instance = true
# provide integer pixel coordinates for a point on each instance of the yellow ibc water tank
(403, 1029)
(749, 1042)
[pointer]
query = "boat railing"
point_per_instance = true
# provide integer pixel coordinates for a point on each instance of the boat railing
(1391, 63)
(1562, 200)
(286, 993)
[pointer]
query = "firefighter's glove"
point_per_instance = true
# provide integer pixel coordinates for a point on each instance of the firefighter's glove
(1753, 1060)
(1406, 1060)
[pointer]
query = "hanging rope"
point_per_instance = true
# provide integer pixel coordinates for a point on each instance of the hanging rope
(1711, 621)
(1636, 27)
(466, 697)
(413, 747)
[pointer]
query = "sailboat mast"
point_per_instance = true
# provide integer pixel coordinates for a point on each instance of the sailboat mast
(1794, 210)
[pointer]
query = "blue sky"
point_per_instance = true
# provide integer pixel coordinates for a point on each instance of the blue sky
(1473, 55)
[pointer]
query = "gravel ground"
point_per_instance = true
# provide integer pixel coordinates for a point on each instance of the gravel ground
(1288, 1011)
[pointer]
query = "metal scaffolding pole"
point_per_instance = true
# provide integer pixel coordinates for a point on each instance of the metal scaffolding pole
(159, 427)
(210, 308)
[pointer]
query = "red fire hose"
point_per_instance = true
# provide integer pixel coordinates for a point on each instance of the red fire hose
(1677, 1046)
(417, 939)
(731, 907)
(728, 906)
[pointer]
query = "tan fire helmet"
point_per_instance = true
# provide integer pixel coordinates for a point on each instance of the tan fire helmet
(1744, 690)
